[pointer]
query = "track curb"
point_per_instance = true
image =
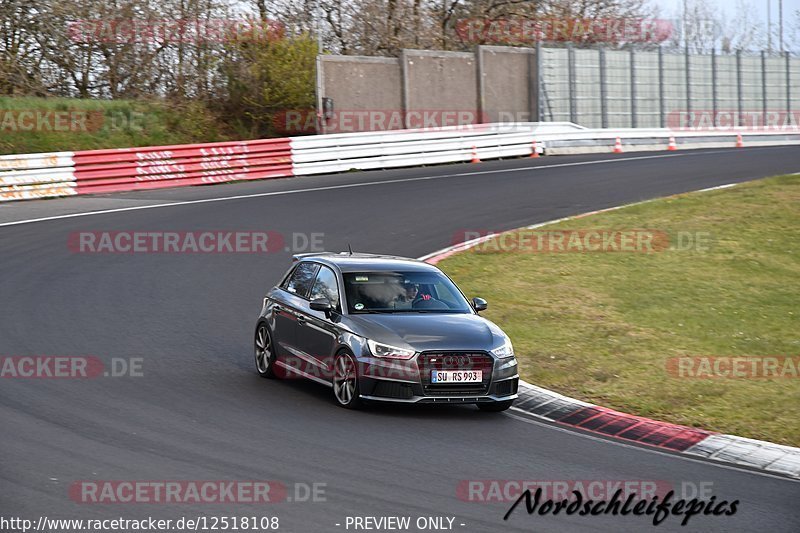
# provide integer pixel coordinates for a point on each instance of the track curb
(563, 410)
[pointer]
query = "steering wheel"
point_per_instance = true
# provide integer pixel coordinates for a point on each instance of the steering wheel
(431, 303)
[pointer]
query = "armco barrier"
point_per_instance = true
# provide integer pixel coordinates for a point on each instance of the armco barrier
(641, 139)
(341, 152)
(128, 169)
(29, 176)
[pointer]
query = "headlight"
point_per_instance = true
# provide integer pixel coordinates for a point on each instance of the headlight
(391, 352)
(505, 351)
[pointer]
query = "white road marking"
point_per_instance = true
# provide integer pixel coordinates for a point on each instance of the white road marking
(466, 245)
(718, 187)
(352, 185)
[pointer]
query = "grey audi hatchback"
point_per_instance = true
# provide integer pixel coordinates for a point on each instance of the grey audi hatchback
(383, 328)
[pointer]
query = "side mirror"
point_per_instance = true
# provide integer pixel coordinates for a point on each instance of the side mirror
(479, 304)
(322, 304)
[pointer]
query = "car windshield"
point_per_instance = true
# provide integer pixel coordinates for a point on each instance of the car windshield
(403, 292)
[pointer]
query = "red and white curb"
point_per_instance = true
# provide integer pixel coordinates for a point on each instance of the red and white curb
(551, 406)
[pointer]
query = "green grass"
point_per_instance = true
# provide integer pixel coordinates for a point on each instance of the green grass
(601, 326)
(110, 124)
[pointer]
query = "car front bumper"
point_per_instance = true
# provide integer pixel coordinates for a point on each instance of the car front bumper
(409, 381)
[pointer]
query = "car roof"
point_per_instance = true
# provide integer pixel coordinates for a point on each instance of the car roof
(362, 262)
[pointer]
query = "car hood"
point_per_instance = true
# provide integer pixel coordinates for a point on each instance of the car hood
(429, 331)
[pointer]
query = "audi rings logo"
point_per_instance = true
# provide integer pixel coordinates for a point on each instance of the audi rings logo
(456, 360)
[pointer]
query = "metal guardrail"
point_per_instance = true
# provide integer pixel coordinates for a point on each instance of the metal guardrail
(337, 153)
(32, 176)
(129, 169)
(28, 176)
(640, 139)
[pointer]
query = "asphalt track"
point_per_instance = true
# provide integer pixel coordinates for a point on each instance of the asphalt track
(200, 412)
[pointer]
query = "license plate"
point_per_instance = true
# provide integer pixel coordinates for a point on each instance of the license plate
(456, 376)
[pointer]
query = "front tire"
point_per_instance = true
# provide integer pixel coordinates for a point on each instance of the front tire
(495, 407)
(264, 352)
(345, 381)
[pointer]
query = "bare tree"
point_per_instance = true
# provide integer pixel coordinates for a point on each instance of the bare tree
(793, 33)
(744, 31)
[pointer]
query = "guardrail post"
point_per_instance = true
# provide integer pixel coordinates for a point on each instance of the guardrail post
(740, 97)
(788, 86)
(661, 106)
(320, 90)
(714, 88)
(764, 102)
(535, 83)
(404, 86)
(481, 85)
(603, 90)
(573, 108)
(688, 68)
(634, 121)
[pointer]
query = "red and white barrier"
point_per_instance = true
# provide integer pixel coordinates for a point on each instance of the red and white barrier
(30, 176)
(129, 169)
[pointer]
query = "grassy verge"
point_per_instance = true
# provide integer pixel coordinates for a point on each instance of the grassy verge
(62, 124)
(602, 327)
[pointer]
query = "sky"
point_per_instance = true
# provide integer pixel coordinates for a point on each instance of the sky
(674, 8)
(729, 6)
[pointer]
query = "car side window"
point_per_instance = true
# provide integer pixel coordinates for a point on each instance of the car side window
(299, 283)
(326, 287)
(444, 294)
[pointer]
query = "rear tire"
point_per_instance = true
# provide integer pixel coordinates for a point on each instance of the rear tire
(495, 407)
(264, 352)
(345, 381)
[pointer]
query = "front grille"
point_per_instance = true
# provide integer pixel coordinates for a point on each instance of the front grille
(429, 361)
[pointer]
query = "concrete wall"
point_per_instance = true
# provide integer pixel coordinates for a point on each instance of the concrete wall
(437, 82)
(509, 79)
(591, 87)
(366, 92)
(425, 88)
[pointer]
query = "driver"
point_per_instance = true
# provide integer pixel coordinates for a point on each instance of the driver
(405, 299)
(411, 295)
(412, 291)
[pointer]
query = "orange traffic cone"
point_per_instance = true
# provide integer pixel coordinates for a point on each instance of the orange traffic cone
(475, 155)
(535, 152)
(618, 146)
(672, 144)
(739, 141)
